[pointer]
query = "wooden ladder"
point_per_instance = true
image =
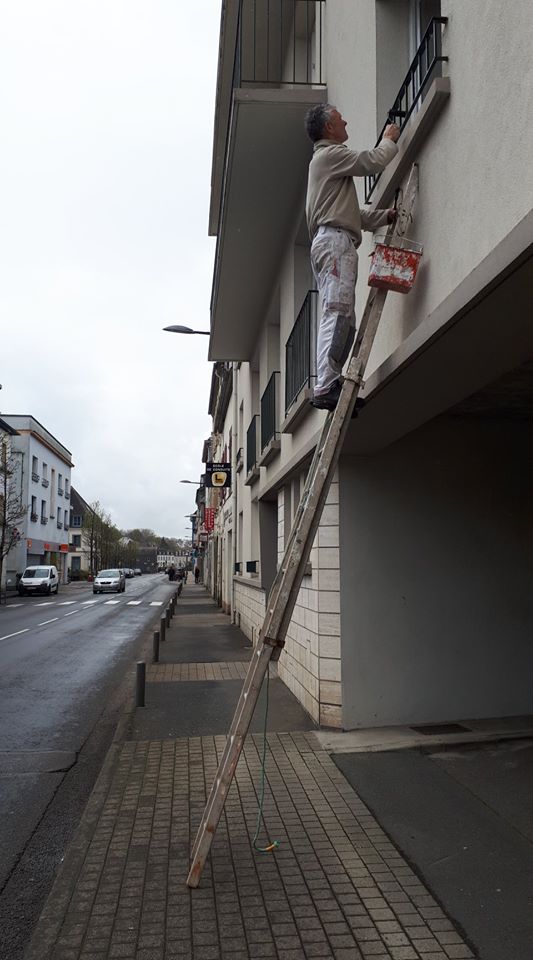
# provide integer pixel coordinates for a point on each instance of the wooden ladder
(284, 591)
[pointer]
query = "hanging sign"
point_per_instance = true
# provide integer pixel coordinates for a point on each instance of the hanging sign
(218, 475)
(209, 518)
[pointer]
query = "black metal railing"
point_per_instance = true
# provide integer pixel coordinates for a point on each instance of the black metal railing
(35, 476)
(251, 444)
(44, 519)
(45, 482)
(279, 42)
(421, 71)
(33, 517)
(300, 350)
(269, 411)
(59, 525)
(60, 491)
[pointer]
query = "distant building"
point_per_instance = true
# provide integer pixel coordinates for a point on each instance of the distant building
(43, 477)
(179, 559)
(6, 447)
(79, 550)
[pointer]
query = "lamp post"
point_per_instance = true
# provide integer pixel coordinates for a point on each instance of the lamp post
(177, 328)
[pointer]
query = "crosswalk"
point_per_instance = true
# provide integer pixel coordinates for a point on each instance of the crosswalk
(88, 603)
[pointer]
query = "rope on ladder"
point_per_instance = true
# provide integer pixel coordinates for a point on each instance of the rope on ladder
(274, 844)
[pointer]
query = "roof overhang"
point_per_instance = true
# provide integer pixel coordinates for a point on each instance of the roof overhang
(267, 159)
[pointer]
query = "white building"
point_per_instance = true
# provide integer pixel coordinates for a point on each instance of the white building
(43, 477)
(417, 606)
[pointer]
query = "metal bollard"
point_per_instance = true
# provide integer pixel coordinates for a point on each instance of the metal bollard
(162, 628)
(167, 614)
(140, 684)
(155, 658)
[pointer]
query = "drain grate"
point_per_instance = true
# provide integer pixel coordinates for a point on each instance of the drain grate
(436, 729)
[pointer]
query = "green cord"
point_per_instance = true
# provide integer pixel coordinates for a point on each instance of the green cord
(275, 843)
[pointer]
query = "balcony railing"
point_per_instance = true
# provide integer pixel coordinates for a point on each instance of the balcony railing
(251, 445)
(300, 350)
(45, 482)
(269, 411)
(279, 42)
(60, 491)
(34, 517)
(35, 476)
(59, 525)
(421, 71)
(44, 519)
(67, 495)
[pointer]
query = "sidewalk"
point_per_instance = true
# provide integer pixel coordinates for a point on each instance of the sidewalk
(335, 888)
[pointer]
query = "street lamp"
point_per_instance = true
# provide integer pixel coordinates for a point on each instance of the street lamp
(190, 481)
(177, 328)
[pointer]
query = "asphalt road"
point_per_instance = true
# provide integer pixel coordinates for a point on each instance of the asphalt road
(64, 676)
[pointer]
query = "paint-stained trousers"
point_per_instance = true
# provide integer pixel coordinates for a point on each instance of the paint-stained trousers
(334, 261)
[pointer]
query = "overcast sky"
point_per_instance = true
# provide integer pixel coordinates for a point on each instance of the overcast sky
(106, 113)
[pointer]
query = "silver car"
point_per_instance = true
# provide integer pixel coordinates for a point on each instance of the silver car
(113, 581)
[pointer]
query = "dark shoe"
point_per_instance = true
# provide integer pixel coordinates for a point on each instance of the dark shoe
(329, 400)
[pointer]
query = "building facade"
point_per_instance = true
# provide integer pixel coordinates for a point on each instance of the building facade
(79, 556)
(43, 477)
(416, 606)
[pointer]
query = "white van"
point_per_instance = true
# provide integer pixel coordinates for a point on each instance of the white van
(38, 580)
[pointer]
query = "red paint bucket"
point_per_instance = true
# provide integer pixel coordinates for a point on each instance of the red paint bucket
(394, 267)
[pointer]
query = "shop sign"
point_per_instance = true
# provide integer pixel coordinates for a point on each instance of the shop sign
(218, 475)
(209, 518)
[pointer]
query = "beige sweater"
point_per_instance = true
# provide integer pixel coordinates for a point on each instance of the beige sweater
(331, 195)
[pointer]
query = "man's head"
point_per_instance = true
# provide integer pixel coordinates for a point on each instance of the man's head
(324, 122)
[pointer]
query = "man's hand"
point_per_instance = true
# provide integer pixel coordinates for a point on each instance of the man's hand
(392, 215)
(392, 132)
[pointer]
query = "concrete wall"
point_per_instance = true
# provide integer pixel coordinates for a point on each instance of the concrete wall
(436, 573)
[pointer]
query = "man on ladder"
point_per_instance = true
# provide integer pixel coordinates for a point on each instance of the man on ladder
(335, 223)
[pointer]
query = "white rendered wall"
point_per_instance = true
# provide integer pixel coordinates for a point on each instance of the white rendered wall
(436, 573)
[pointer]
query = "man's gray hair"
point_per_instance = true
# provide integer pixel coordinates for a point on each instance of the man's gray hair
(316, 119)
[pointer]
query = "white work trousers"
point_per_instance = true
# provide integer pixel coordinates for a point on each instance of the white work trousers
(334, 261)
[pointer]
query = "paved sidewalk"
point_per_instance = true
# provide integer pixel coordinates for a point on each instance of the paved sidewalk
(336, 888)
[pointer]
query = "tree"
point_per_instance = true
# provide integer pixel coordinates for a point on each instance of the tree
(12, 508)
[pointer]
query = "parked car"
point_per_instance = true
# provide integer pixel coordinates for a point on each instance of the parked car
(39, 580)
(137, 572)
(113, 581)
(128, 572)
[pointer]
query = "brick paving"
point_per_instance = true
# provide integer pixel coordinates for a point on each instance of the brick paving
(231, 670)
(335, 889)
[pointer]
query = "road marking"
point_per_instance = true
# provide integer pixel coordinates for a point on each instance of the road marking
(13, 605)
(71, 613)
(66, 603)
(133, 603)
(106, 602)
(43, 624)
(8, 635)
(86, 603)
(156, 603)
(46, 603)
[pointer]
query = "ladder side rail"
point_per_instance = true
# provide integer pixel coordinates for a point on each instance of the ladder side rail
(225, 774)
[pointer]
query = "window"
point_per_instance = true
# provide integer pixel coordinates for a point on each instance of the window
(60, 484)
(67, 487)
(76, 540)
(34, 468)
(75, 563)
(44, 479)
(34, 508)
(44, 515)
(66, 520)
(76, 521)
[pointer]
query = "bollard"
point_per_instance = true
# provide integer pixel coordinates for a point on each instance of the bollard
(155, 658)
(140, 685)
(167, 614)
(162, 628)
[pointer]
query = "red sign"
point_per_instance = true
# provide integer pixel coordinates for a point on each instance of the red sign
(209, 518)
(30, 544)
(63, 547)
